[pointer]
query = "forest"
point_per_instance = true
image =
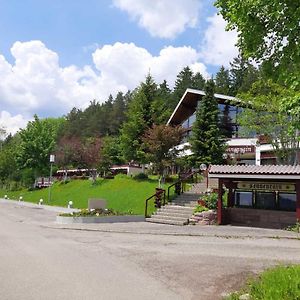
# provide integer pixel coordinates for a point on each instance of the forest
(127, 128)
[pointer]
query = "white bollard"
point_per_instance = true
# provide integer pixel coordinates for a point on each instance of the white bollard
(41, 201)
(70, 204)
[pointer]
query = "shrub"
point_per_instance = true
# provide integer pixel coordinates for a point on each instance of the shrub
(211, 200)
(200, 208)
(140, 176)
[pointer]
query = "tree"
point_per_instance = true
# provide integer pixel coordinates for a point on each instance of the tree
(159, 143)
(91, 155)
(222, 81)
(242, 75)
(207, 143)
(264, 117)
(38, 141)
(198, 81)
(268, 32)
(111, 153)
(183, 81)
(139, 118)
(161, 104)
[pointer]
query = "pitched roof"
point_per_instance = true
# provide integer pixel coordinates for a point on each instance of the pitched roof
(253, 171)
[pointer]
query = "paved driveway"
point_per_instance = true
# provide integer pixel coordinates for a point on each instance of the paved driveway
(44, 260)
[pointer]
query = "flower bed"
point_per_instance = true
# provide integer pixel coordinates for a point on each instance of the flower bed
(98, 216)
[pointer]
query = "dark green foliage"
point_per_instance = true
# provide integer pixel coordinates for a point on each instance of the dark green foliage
(141, 115)
(222, 82)
(198, 82)
(242, 75)
(207, 143)
(97, 119)
(140, 176)
(211, 200)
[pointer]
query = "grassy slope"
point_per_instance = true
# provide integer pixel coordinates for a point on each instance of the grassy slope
(122, 193)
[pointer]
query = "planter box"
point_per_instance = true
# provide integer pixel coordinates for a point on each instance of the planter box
(108, 219)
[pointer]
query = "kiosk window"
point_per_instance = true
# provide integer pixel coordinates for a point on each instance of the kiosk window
(243, 199)
(265, 200)
(287, 201)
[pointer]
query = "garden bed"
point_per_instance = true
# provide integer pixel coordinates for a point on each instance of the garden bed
(102, 219)
(99, 215)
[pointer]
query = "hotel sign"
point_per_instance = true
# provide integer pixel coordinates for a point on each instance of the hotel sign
(267, 186)
(240, 149)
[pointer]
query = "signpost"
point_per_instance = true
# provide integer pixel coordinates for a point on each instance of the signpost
(52, 160)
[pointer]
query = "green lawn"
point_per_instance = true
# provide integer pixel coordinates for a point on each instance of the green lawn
(280, 283)
(122, 193)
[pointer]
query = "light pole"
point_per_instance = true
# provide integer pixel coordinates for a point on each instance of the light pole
(52, 159)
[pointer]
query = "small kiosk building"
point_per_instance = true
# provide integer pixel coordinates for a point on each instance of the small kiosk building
(262, 196)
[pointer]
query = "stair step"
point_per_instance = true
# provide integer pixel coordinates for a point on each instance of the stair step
(167, 217)
(170, 222)
(174, 214)
(177, 207)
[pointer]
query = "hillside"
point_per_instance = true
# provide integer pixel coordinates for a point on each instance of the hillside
(122, 193)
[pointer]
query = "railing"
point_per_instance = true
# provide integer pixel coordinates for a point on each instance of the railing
(180, 184)
(159, 200)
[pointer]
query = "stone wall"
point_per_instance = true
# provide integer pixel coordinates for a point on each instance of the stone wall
(260, 217)
(204, 218)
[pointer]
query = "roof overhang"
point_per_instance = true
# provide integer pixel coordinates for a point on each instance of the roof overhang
(188, 105)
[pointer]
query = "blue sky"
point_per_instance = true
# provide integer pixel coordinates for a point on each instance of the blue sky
(58, 54)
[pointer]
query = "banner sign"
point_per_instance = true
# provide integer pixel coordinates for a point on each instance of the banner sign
(269, 186)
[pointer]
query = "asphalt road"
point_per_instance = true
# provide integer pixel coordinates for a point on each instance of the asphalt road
(40, 260)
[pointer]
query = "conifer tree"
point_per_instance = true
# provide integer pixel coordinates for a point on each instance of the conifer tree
(184, 80)
(198, 81)
(139, 118)
(206, 141)
(222, 81)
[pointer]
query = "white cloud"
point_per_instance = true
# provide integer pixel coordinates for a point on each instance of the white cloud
(218, 46)
(162, 18)
(36, 83)
(128, 64)
(12, 123)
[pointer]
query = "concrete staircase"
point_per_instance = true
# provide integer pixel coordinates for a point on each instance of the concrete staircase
(178, 211)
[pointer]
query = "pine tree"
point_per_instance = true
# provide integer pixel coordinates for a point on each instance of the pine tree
(139, 118)
(222, 81)
(160, 106)
(242, 75)
(198, 82)
(184, 80)
(206, 141)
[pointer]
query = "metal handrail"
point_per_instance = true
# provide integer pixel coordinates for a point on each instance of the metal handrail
(180, 181)
(156, 196)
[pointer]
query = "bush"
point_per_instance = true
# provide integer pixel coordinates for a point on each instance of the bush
(140, 176)
(200, 208)
(211, 200)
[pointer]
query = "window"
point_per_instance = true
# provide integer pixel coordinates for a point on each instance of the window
(287, 201)
(265, 200)
(243, 199)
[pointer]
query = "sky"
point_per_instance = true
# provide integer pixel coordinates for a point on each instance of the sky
(60, 54)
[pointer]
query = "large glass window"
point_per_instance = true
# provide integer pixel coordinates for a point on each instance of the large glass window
(243, 199)
(287, 201)
(265, 200)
